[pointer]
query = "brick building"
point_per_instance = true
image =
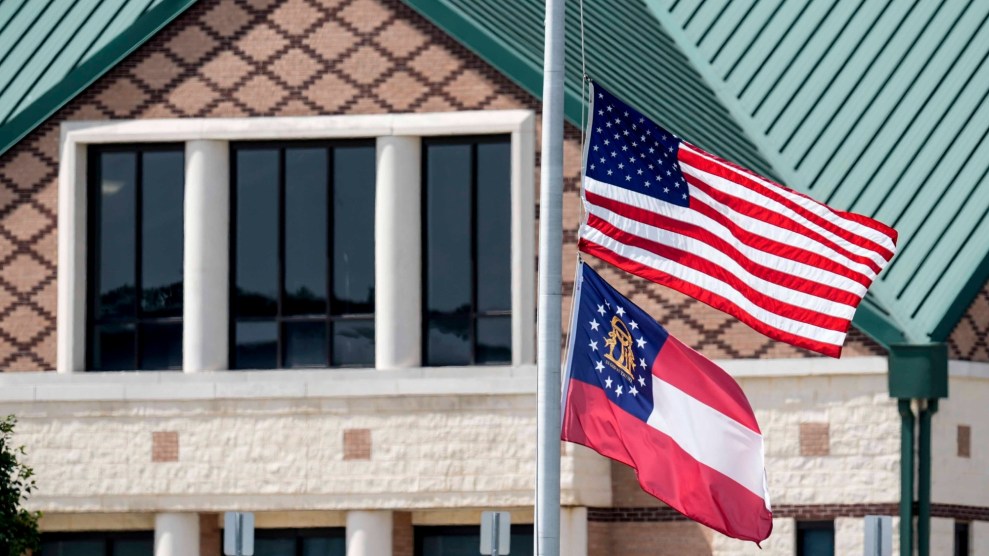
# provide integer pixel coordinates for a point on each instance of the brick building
(310, 225)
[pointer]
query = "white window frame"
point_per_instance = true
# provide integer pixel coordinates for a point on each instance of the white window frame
(205, 273)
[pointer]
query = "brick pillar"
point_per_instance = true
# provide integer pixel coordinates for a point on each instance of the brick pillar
(403, 536)
(209, 535)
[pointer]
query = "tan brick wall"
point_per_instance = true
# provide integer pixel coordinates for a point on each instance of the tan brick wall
(680, 538)
(815, 439)
(164, 446)
(356, 444)
(970, 338)
(235, 58)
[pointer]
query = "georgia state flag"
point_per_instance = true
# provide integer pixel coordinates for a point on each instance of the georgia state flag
(637, 395)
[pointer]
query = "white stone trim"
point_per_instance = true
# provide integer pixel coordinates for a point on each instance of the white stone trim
(369, 533)
(796, 367)
(968, 369)
(75, 136)
(283, 384)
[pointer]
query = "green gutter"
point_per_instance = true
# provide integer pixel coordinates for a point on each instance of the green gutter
(145, 27)
(501, 56)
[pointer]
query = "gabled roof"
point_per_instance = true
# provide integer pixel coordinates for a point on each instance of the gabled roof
(875, 107)
(51, 50)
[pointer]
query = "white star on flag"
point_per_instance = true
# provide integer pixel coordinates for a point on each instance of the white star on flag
(594, 324)
(633, 325)
(599, 367)
(593, 345)
(618, 390)
(607, 382)
(641, 342)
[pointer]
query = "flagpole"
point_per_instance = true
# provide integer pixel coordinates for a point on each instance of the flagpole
(547, 536)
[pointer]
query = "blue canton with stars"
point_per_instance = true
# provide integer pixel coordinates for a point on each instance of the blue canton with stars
(606, 321)
(626, 149)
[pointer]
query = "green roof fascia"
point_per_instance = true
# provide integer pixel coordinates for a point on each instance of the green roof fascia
(77, 80)
(961, 303)
(877, 324)
(500, 55)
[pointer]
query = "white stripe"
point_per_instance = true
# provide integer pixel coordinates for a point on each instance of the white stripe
(768, 259)
(715, 286)
(783, 235)
(811, 205)
(709, 436)
(720, 259)
(731, 188)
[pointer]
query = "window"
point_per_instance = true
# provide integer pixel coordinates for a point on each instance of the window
(465, 540)
(135, 257)
(815, 538)
(300, 542)
(961, 538)
(303, 250)
(129, 543)
(467, 274)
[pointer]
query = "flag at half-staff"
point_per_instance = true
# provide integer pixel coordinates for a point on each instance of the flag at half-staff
(784, 264)
(637, 395)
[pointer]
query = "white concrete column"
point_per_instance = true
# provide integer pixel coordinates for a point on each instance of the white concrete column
(177, 534)
(207, 255)
(71, 309)
(942, 535)
(573, 531)
(369, 533)
(398, 244)
(978, 540)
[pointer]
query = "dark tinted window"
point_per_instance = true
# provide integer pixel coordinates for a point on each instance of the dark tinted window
(466, 541)
(135, 257)
(815, 538)
(961, 538)
(303, 280)
(467, 250)
(122, 543)
(300, 542)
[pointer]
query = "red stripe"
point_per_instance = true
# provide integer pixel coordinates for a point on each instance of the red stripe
(768, 216)
(707, 297)
(700, 264)
(694, 231)
(743, 177)
(663, 468)
(698, 377)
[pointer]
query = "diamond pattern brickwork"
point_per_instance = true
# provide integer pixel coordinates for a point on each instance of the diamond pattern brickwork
(970, 338)
(253, 58)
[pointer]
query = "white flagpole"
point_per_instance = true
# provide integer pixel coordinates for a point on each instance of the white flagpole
(547, 536)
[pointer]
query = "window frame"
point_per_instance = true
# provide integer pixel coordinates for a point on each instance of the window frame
(108, 537)
(462, 531)
(203, 136)
(279, 317)
(814, 525)
(92, 200)
(474, 314)
(298, 535)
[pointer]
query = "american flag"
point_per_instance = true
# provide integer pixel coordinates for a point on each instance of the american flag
(658, 207)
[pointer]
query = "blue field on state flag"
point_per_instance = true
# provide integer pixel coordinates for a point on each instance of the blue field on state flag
(637, 395)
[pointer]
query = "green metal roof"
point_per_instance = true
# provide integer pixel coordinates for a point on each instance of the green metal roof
(50, 50)
(876, 107)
